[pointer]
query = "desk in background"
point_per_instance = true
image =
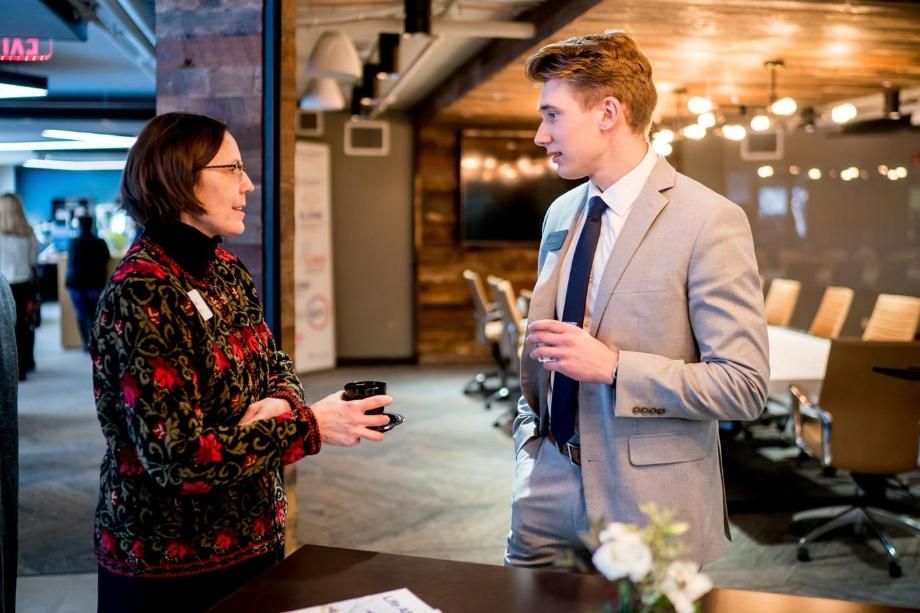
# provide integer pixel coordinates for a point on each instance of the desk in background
(796, 357)
(316, 575)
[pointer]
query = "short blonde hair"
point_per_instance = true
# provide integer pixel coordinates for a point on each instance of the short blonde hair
(600, 65)
(13, 216)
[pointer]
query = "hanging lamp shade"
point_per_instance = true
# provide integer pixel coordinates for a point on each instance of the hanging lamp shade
(334, 56)
(323, 95)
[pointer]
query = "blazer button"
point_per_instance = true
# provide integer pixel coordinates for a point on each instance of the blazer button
(661, 411)
(635, 410)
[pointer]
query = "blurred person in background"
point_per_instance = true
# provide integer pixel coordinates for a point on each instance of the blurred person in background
(87, 262)
(17, 264)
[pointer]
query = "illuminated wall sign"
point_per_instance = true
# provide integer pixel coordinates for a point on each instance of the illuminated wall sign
(25, 49)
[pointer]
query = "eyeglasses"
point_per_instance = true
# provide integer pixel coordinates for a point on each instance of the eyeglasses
(238, 167)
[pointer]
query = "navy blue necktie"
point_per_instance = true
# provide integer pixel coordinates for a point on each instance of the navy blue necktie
(565, 390)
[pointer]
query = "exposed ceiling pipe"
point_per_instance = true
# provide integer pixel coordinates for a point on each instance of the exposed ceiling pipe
(417, 62)
(141, 17)
(444, 27)
(121, 30)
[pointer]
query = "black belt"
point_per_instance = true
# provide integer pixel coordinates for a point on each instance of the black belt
(569, 450)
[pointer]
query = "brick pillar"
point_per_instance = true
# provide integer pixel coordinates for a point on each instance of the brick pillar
(209, 61)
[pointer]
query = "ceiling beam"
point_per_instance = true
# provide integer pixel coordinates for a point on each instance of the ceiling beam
(548, 18)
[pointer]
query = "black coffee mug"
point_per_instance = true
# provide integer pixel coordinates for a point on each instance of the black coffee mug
(357, 390)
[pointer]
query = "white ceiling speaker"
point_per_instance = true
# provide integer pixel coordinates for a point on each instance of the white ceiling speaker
(334, 56)
(323, 94)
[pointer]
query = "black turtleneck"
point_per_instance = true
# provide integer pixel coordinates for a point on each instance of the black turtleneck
(191, 249)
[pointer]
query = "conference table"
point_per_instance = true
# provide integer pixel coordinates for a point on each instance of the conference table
(796, 357)
(315, 575)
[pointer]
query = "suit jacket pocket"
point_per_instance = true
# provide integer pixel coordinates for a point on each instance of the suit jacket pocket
(648, 449)
(639, 286)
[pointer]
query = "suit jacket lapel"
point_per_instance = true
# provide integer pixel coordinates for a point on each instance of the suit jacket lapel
(648, 205)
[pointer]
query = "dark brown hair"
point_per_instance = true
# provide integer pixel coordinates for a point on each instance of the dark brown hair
(158, 183)
(600, 65)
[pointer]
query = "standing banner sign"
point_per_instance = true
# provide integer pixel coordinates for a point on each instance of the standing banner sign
(314, 323)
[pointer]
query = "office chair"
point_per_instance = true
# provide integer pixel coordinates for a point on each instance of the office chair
(894, 318)
(488, 333)
(513, 329)
(866, 421)
(832, 312)
(780, 301)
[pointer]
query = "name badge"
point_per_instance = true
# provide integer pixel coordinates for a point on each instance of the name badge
(203, 309)
(554, 241)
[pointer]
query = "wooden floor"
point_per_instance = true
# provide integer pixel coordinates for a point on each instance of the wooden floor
(439, 486)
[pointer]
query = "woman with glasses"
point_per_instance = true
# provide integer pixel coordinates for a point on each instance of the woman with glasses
(199, 408)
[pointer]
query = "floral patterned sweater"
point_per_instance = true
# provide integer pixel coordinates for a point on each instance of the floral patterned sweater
(180, 349)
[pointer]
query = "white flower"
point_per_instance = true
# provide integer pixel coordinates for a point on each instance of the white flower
(622, 553)
(615, 530)
(684, 584)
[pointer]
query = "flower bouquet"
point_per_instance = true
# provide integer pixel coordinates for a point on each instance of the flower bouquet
(643, 563)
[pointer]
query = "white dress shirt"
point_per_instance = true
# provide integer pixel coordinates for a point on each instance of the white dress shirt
(619, 199)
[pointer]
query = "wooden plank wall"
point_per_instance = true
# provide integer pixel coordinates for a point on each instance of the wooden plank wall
(444, 309)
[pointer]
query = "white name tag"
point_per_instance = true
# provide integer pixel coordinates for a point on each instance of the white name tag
(201, 305)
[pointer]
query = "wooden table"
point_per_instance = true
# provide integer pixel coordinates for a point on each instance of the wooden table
(796, 357)
(316, 575)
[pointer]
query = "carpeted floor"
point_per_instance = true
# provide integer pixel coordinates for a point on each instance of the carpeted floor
(439, 486)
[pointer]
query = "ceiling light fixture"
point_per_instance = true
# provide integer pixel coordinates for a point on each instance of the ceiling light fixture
(734, 131)
(783, 106)
(707, 119)
(60, 145)
(843, 113)
(19, 85)
(322, 95)
(699, 104)
(664, 135)
(662, 148)
(74, 164)
(115, 140)
(334, 56)
(760, 122)
(694, 131)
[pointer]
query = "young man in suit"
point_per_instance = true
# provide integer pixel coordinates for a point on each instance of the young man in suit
(657, 277)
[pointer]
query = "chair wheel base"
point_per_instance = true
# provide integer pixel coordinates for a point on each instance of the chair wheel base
(803, 554)
(894, 570)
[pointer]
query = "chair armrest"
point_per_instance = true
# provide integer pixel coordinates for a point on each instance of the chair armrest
(804, 410)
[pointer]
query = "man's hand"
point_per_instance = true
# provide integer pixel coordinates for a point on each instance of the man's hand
(569, 349)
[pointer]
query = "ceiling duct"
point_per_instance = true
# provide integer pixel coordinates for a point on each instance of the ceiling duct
(418, 17)
(55, 19)
(892, 106)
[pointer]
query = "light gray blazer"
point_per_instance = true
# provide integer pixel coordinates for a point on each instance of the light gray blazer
(681, 298)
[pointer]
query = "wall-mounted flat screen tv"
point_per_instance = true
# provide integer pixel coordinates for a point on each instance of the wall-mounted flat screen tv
(506, 185)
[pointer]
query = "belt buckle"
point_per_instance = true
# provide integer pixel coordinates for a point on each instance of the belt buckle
(573, 453)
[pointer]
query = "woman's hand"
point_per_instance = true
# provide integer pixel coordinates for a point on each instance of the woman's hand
(266, 408)
(343, 422)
